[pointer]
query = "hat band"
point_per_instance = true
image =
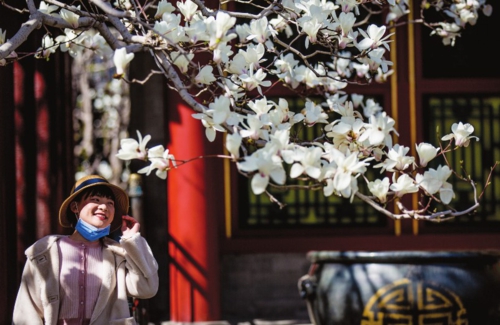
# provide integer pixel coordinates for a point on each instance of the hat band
(89, 182)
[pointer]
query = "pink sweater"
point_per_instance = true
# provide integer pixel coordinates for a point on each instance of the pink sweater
(80, 280)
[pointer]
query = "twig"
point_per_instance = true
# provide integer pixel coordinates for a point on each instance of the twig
(142, 82)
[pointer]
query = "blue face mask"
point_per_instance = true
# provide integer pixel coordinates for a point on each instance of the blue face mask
(90, 232)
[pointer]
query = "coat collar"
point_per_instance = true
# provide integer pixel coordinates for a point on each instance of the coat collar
(41, 246)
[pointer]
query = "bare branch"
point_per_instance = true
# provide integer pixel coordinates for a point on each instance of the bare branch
(20, 37)
(104, 6)
(142, 82)
(169, 71)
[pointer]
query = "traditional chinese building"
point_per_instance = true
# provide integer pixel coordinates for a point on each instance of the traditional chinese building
(223, 252)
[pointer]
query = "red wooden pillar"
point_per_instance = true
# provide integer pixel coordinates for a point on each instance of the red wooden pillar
(193, 249)
(43, 217)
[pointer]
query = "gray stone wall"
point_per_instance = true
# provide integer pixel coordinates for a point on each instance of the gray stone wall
(262, 286)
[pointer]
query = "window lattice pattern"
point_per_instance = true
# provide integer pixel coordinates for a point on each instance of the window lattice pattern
(304, 208)
(483, 112)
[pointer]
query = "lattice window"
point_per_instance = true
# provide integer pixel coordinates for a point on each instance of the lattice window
(304, 208)
(483, 112)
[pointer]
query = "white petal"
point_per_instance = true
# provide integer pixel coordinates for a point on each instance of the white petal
(296, 170)
(314, 172)
(328, 189)
(342, 181)
(446, 193)
(259, 183)
(278, 175)
(210, 133)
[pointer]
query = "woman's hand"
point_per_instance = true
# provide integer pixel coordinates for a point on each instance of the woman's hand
(130, 226)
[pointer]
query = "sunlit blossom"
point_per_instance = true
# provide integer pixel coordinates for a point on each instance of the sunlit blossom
(379, 188)
(205, 76)
(435, 180)
(259, 30)
(220, 110)
(161, 160)
(313, 114)
(309, 163)
(461, 133)
(397, 160)
(233, 143)
(188, 8)
(267, 165)
(253, 129)
(260, 106)
(373, 38)
(48, 47)
(71, 42)
(253, 80)
(47, 9)
(163, 7)
(70, 17)
(426, 152)
(133, 149)
(210, 126)
(403, 185)
(182, 60)
(121, 60)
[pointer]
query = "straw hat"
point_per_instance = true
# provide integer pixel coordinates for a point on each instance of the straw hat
(121, 200)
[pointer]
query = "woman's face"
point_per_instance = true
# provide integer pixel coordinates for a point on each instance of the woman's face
(96, 210)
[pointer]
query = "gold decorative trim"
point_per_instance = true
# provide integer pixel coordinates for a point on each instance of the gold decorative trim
(412, 100)
(227, 192)
(406, 302)
(394, 110)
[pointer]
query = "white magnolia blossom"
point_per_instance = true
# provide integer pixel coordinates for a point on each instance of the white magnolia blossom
(435, 180)
(231, 68)
(161, 160)
(461, 133)
(448, 31)
(188, 8)
(182, 60)
(47, 9)
(210, 126)
(379, 188)
(253, 80)
(233, 144)
(121, 60)
(403, 185)
(220, 109)
(374, 37)
(163, 7)
(426, 152)
(205, 76)
(70, 16)
(71, 42)
(397, 160)
(48, 47)
(267, 165)
(133, 149)
(397, 10)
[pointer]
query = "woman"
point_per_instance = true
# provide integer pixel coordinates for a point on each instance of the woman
(85, 278)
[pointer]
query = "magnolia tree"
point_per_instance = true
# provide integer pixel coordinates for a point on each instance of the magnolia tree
(233, 54)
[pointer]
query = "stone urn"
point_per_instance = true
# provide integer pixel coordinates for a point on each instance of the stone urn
(403, 288)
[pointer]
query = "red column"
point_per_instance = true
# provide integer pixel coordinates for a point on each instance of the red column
(43, 214)
(192, 243)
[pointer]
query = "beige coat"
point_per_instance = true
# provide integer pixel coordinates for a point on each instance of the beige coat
(131, 270)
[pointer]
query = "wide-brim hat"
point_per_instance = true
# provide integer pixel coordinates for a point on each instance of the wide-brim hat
(121, 200)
